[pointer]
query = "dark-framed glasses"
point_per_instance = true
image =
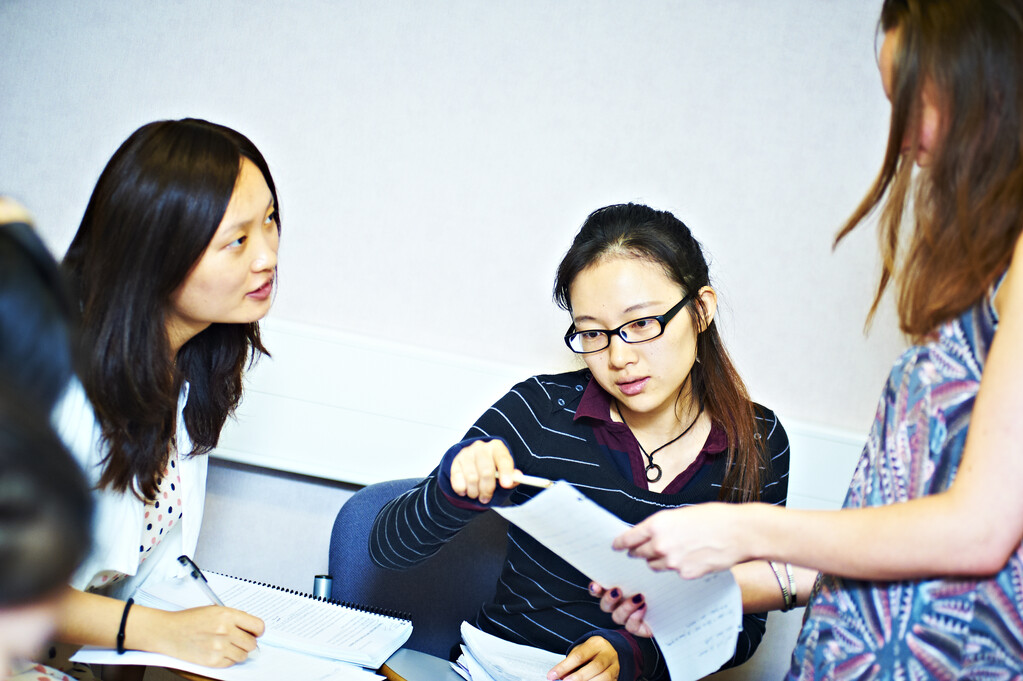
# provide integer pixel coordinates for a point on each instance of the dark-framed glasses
(637, 331)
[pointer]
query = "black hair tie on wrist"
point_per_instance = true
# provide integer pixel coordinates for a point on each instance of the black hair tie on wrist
(120, 630)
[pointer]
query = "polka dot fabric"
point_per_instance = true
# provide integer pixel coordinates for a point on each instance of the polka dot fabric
(159, 517)
(162, 512)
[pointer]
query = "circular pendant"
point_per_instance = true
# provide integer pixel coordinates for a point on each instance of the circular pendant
(656, 473)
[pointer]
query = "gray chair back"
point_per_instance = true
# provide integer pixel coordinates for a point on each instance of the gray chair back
(438, 594)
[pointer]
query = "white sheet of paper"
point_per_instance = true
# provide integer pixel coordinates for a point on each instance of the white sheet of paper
(503, 660)
(695, 622)
(269, 664)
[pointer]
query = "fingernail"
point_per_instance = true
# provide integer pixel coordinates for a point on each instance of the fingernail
(637, 599)
(615, 593)
(593, 588)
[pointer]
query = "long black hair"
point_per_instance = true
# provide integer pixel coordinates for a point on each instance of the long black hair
(154, 210)
(637, 231)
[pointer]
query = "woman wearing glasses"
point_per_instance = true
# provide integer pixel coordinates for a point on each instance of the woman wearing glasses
(659, 418)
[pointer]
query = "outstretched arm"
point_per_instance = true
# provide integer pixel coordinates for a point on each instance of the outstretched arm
(970, 529)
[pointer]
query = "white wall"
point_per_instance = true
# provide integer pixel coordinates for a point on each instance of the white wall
(434, 159)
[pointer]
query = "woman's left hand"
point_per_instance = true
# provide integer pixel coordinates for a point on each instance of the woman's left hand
(595, 659)
(627, 610)
(693, 541)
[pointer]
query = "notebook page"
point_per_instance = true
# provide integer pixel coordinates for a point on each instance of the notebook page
(695, 622)
(292, 621)
(314, 626)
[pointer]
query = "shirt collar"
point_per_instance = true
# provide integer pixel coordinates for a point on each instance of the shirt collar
(596, 404)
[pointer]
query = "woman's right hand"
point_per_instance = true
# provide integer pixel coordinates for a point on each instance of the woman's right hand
(213, 636)
(479, 467)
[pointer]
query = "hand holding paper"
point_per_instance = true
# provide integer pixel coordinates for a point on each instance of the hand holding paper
(693, 541)
(695, 622)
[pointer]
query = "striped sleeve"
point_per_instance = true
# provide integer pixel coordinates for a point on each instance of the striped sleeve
(775, 486)
(415, 525)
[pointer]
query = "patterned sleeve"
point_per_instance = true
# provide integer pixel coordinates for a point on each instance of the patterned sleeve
(415, 525)
(774, 490)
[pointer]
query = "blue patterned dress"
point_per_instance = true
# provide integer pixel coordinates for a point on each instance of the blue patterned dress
(931, 629)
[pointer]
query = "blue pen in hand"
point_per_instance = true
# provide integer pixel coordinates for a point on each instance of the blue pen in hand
(198, 576)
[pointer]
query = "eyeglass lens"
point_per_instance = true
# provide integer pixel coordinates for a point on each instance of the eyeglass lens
(635, 331)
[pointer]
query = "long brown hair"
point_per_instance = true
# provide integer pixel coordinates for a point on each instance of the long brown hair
(661, 238)
(151, 216)
(967, 205)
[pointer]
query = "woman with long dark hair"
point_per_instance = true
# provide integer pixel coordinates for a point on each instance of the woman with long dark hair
(171, 269)
(922, 572)
(658, 418)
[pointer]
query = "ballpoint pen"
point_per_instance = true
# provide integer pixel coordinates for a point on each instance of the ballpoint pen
(200, 579)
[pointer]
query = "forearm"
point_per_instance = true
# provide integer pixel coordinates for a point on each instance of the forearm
(934, 535)
(761, 591)
(91, 619)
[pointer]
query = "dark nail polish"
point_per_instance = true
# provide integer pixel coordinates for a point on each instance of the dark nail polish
(615, 593)
(637, 599)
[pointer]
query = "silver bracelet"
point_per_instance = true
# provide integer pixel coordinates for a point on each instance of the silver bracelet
(792, 584)
(786, 596)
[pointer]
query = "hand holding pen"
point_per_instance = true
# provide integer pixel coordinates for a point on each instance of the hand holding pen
(484, 469)
(219, 630)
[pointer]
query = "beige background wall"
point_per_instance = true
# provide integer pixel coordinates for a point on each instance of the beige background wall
(434, 159)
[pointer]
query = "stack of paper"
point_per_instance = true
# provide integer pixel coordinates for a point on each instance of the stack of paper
(489, 658)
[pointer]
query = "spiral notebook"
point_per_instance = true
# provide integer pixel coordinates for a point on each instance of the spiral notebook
(295, 621)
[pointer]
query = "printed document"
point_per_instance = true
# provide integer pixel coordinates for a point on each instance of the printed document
(695, 621)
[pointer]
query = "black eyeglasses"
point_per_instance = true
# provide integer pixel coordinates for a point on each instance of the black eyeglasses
(636, 331)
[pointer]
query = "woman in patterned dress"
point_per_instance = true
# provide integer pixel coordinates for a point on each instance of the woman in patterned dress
(922, 575)
(172, 267)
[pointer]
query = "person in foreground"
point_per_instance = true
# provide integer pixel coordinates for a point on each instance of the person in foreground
(659, 417)
(45, 507)
(922, 574)
(172, 267)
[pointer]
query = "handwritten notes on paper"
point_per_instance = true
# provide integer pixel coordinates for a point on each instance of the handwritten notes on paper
(695, 622)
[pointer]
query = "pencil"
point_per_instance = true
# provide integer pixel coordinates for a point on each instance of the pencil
(533, 481)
